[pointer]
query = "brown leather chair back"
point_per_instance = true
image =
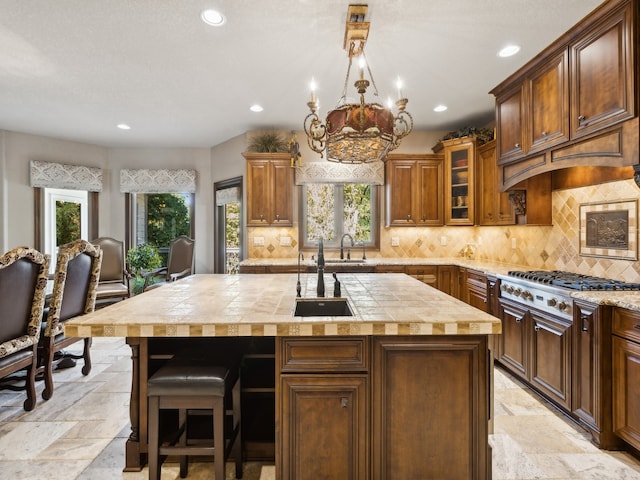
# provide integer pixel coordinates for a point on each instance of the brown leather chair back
(113, 266)
(181, 253)
(23, 281)
(75, 283)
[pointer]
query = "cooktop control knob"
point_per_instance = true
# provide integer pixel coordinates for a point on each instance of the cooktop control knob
(527, 295)
(517, 292)
(552, 302)
(509, 289)
(562, 306)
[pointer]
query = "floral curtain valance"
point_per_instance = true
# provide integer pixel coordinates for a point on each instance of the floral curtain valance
(329, 172)
(228, 195)
(70, 177)
(157, 181)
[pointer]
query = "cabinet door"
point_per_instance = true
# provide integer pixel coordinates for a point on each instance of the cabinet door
(401, 193)
(549, 104)
(459, 178)
(602, 75)
(448, 280)
(514, 349)
(429, 399)
(324, 427)
(429, 208)
(510, 127)
(425, 273)
(626, 390)
(282, 198)
(258, 192)
(550, 365)
(493, 206)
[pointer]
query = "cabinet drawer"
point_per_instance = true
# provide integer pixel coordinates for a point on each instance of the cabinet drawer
(324, 354)
(626, 323)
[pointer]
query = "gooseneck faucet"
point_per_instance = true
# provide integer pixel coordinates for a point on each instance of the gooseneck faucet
(342, 246)
(298, 286)
(320, 289)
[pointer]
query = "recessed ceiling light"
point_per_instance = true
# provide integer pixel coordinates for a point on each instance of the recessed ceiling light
(256, 108)
(509, 50)
(439, 108)
(123, 126)
(212, 17)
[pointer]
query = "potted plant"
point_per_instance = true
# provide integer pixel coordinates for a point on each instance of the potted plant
(142, 259)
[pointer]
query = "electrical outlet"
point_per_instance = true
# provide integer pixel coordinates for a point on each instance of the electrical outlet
(514, 243)
(395, 241)
(443, 240)
(285, 241)
(258, 241)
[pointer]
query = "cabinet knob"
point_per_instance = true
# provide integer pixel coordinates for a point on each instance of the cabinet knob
(409, 216)
(344, 402)
(544, 133)
(518, 319)
(261, 218)
(277, 217)
(537, 328)
(517, 145)
(581, 118)
(424, 218)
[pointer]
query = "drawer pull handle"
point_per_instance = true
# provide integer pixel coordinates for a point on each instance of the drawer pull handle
(637, 326)
(585, 323)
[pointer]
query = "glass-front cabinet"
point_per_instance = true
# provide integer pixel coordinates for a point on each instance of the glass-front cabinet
(459, 155)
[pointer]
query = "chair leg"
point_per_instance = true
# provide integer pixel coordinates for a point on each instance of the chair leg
(237, 429)
(184, 459)
(218, 439)
(154, 468)
(86, 368)
(30, 384)
(47, 393)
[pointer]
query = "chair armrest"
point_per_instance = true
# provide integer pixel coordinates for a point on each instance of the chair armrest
(158, 272)
(177, 276)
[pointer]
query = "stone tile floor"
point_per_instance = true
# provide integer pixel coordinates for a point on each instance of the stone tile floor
(80, 433)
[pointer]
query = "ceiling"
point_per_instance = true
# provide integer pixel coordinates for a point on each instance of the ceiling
(74, 69)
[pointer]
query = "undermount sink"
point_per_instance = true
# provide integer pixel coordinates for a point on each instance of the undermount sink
(343, 260)
(322, 307)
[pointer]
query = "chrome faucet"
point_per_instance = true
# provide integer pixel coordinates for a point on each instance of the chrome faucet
(342, 247)
(320, 289)
(298, 286)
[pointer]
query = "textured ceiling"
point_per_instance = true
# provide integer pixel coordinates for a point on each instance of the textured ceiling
(73, 69)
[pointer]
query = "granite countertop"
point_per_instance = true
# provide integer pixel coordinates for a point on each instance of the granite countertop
(623, 299)
(262, 305)
(482, 266)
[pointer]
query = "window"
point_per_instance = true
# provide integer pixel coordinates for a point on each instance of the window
(331, 210)
(158, 218)
(66, 218)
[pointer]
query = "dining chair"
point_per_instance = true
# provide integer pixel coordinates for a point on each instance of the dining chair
(23, 282)
(179, 264)
(74, 293)
(113, 285)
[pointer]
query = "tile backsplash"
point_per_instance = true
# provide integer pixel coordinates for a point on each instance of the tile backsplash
(545, 247)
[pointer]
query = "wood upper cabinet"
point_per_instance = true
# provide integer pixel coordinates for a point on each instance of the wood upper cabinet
(548, 104)
(414, 190)
(509, 123)
(492, 206)
(269, 189)
(459, 178)
(602, 71)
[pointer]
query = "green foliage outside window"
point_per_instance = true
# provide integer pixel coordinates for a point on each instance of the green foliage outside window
(67, 222)
(167, 218)
(141, 259)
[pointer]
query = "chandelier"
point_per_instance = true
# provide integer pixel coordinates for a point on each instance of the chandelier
(357, 132)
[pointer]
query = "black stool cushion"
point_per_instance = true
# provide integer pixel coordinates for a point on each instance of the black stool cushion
(184, 378)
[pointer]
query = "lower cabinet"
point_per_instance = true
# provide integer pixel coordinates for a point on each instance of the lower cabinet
(382, 408)
(626, 376)
(537, 347)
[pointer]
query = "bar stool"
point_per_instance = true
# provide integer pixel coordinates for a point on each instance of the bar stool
(195, 383)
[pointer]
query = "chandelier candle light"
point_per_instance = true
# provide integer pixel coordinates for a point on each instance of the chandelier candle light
(357, 132)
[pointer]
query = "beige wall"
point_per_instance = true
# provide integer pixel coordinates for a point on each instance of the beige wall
(536, 247)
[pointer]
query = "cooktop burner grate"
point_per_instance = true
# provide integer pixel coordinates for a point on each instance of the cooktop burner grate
(573, 281)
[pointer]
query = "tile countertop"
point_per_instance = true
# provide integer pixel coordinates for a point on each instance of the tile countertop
(623, 299)
(262, 305)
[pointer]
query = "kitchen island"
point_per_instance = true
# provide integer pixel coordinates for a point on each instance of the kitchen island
(399, 389)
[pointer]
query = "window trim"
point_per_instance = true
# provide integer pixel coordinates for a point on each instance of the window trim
(374, 245)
